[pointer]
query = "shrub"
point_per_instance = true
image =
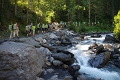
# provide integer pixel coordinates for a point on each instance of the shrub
(117, 26)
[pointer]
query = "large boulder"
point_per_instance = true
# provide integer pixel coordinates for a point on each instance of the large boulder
(65, 41)
(99, 49)
(73, 70)
(57, 63)
(41, 40)
(29, 40)
(110, 39)
(19, 61)
(100, 60)
(64, 56)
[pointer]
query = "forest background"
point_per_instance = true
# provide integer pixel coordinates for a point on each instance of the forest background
(85, 12)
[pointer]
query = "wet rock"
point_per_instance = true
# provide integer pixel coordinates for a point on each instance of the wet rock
(45, 50)
(51, 59)
(52, 35)
(109, 47)
(49, 47)
(37, 78)
(115, 53)
(61, 56)
(19, 61)
(110, 39)
(66, 52)
(57, 63)
(100, 60)
(93, 46)
(116, 56)
(116, 50)
(55, 77)
(41, 79)
(80, 37)
(117, 63)
(65, 41)
(50, 70)
(64, 56)
(99, 49)
(68, 78)
(73, 70)
(30, 41)
(48, 63)
(41, 40)
(81, 77)
(95, 35)
(64, 66)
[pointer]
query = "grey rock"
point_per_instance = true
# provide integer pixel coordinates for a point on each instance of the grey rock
(20, 61)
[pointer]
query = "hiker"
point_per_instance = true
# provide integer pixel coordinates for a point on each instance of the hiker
(46, 27)
(33, 31)
(30, 28)
(38, 27)
(11, 31)
(49, 27)
(27, 30)
(43, 28)
(15, 30)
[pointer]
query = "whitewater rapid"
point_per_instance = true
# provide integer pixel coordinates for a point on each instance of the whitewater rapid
(80, 53)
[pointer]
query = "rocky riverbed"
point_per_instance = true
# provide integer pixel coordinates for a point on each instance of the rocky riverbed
(49, 56)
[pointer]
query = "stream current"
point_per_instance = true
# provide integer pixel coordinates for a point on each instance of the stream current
(80, 51)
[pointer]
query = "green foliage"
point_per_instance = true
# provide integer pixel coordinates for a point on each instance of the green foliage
(117, 26)
(47, 11)
(85, 28)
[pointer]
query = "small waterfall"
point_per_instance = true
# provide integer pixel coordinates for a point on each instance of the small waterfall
(80, 53)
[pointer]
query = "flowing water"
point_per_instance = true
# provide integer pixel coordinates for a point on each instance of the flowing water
(80, 52)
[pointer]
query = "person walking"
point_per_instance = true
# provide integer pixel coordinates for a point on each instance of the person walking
(33, 31)
(30, 28)
(11, 30)
(27, 30)
(38, 27)
(46, 27)
(15, 30)
(43, 28)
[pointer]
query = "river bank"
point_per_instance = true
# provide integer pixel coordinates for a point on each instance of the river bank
(62, 50)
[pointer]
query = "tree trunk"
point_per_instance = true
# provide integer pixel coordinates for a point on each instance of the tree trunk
(89, 11)
(112, 10)
(68, 7)
(27, 16)
(28, 3)
(15, 7)
(1, 11)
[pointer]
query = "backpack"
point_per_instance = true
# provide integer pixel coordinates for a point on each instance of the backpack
(14, 26)
(10, 27)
